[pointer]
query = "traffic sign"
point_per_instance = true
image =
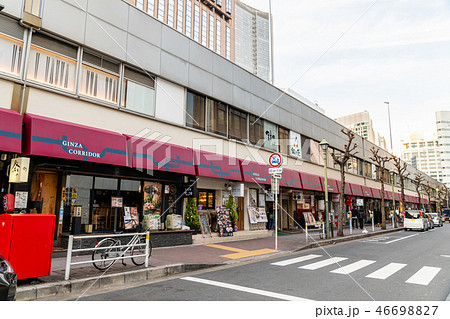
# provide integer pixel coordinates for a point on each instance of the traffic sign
(275, 170)
(275, 160)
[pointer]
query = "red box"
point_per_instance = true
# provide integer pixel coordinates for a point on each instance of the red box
(26, 241)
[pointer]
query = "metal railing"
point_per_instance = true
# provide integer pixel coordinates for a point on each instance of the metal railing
(121, 256)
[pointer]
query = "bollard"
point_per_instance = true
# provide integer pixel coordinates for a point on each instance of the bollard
(306, 231)
(69, 257)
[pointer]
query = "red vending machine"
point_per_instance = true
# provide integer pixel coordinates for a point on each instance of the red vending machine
(26, 241)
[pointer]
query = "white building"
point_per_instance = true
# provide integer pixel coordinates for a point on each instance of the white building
(443, 131)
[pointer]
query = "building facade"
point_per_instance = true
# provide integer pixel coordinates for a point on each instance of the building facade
(443, 139)
(360, 123)
(253, 38)
(123, 125)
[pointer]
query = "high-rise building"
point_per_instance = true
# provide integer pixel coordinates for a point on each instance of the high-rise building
(360, 123)
(253, 40)
(443, 136)
(423, 153)
(208, 22)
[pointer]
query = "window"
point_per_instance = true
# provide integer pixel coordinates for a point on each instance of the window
(316, 153)
(195, 111)
(217, 117)
(270, 136)
(422, 144)
(99, 77)
(188, 17)
(237, 124)
(196, 22)
(256, 130)
(228, 47)
(171, 14)
(218, 43)
(52, 62)
(151, 7)
(180, 15)
(283, 140)
(204, 27)
(219, 3)
(229, 6)
(413, 145)
(11, 55)
(138, 92)
(211, 32)
(161, 9)
(140, 4)
(206, 199)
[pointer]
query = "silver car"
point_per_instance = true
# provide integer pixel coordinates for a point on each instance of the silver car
(437, 220)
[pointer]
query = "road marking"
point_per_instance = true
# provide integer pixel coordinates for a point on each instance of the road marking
(323, 263)
(295, 260)
(386, 271)
(448, 256)
(400, 238)
(353, 267)
(242, 253)
(245, 289)
(424, 276)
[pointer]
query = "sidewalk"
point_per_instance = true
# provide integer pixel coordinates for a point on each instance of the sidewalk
(171, 260)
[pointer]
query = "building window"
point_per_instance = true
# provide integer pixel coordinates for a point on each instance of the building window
(196, 22)
(237, 124)
(99, 77)
(206, 199)
(270, 136)
(151, 7)
(195, 111)
(52, 62)
(140, 4)
(283, 140)
(11, 55)
(138, 92)
(161, 10)
(211, 32)
(217, 117)
(228, 6)
(218, 40)
(219, 3)
(180, 15)
(171, 14)
(316, 153)
(228, 43)
(204, 27)
(188, 17)
(256, 130)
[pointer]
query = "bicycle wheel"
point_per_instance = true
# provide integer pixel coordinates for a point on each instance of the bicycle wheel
(109, 251)
(140, 250)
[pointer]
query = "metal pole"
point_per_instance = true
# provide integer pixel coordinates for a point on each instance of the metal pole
(390, 130)
(394, 218)
(306, 231)
(327, 213)
(276, 213)
(69, 257)
(147, 242)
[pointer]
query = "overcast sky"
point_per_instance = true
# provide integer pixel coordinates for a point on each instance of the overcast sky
(375, 51)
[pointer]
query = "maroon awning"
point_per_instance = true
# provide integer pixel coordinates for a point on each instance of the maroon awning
(387, 195)
(356, 190)
(311, 182)
(254, 172)
(156, 155)
(53, 138)
(290, 178)
(10, 131)
(376, 192)
(425, 201)
(347, 190)
(367, 191)
(398, 197)
(332, 185)
(217, 166)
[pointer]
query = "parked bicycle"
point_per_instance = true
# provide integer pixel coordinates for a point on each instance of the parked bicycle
(109, 250)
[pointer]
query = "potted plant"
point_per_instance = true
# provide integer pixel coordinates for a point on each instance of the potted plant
(191, 215)
(231, 206)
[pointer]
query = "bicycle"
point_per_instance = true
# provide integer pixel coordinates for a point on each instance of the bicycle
(109, 250)
(322, 230)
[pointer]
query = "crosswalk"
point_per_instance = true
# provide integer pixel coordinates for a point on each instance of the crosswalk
(422, 276)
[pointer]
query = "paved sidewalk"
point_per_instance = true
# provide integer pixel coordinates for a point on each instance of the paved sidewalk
(169, 260)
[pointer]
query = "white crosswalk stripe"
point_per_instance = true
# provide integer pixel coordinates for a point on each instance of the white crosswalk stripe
(386, 271)
(295, 260)
(353, 267)
(424, 276)
(323, 263)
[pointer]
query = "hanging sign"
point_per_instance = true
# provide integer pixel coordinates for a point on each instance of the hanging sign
(237, 190)
(18, 171)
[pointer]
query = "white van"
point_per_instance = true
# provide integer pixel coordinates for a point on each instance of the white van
(415, 219)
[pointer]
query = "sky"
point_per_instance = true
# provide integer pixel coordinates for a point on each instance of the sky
(353, 55)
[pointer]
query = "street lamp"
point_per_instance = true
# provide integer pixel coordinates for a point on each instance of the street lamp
(394, 218)
(390, 130)
(324, 145)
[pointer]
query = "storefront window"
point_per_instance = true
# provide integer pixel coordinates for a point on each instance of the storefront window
(77, 193)
(152, 205)
(206, 199)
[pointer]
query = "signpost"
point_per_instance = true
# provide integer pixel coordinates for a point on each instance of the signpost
(275, 160)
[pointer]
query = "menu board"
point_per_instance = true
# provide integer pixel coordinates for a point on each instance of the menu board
(131, 217)
(152, 205)
(224, 223)
(204, 224)
(257, 215)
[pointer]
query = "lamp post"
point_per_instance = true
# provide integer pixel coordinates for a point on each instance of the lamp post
(390, 130)
(324, 144)
(393, 199)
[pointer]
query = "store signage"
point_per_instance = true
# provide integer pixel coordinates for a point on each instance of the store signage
(237, 190)
(116, 202)
(275, 160)
(275, 170)
(21, 200)
(19, 168)
(359, 202)
(335, 198)
(297, 196)
(275, 185)
(270, 197)
(271, 135)
(295, 145)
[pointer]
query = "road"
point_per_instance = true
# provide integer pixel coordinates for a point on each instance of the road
(399, 266)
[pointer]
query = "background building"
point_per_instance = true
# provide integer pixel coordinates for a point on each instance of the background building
(253, 40)
(360, 123)
(443, 132)
(423, 152)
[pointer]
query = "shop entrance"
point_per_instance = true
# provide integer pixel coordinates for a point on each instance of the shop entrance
(240, 211)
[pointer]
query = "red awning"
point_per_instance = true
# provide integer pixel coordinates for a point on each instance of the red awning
(398, 197)
(376, 192)
(311, 182)
(425, 201)
(367, 191)
(387, 195)
(356, 190)
(53, 138)
(332, 185)
(10, 131)
(347, 190)
(290, 178)
(254, 172)
(218, 166)
(156, 155)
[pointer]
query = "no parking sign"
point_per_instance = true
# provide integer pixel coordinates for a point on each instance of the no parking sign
(275, 160)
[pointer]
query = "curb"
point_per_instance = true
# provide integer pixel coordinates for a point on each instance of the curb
(34, 292)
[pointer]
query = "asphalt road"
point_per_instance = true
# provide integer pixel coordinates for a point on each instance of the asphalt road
(399, 266)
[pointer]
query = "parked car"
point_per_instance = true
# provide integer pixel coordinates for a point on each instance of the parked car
(8, 281)
(446, 214)
(415, 219)
(430, 220)
(437, 220)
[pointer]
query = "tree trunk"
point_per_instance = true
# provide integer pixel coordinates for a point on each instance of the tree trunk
(340, 232)
(383, 217)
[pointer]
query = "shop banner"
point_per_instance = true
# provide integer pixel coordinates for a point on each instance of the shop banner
(257, 215)
(10, 131)
(53, 138)
(295, 144)
(131, 217)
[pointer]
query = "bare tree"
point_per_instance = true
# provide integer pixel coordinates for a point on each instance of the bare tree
(429, 190)
(381, 161)
(418, 182)
(342, 160)
(402, 175)
(446, 196)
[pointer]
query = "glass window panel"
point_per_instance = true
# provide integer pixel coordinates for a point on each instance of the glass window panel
(180, 15)
(256, 130)
(237, 124)
(10, 55)
(316, 153)
(161, 8)
(283, 140)
(195, 111)
(106, 183)
(270, 136)
(196, 22)
(130, 185)
(204, 26)
(218, 38)
(217, 117)
(98, 84)
(151, 7)
(139, 98)
(211, 32)
(188, 17)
